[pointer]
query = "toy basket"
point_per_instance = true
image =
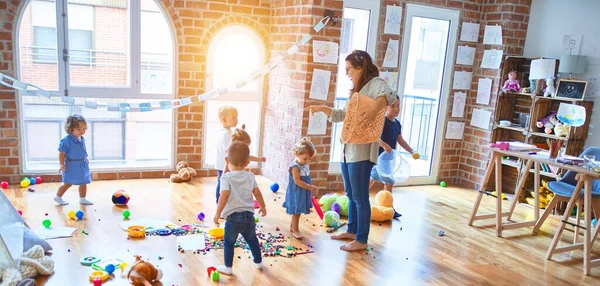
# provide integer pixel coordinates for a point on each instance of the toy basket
(357, 131)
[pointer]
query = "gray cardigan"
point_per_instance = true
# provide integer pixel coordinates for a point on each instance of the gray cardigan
(352, 153)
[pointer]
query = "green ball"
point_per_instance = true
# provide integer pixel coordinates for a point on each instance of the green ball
(331, 219)
(126, 213)
(343, 201)
(443, 184)
(326, 201)
(47, 223)
(255, 219)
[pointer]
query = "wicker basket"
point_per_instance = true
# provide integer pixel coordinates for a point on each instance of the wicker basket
(357, 131)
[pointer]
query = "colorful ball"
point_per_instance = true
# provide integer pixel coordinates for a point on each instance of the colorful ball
(38, 180)
(274, 187)
(120, 198)
(256, 219)
(126, 213)
(443, 184)
(201, 216)
(79, 214)
(71, 214)
(336, 207)
(25, 183)
(46, 223)
(4, 184)
(32, 181)
(331, 219)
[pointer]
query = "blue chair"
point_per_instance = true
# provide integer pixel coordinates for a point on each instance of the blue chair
(563, 190)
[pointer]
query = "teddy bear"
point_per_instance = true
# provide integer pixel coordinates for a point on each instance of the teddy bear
(381, 208)
(185, 173)
(561, 129)
(548, 123)
(143, 273)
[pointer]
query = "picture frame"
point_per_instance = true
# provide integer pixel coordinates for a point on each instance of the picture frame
(571, 89)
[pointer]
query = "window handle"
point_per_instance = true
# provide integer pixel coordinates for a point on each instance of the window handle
(65, 55)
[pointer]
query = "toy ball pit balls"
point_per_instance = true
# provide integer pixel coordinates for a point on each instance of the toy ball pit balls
(79, 214)
(331, 218)
(110, 269)
(126, 214)
(25, 183)
(38, 180)
(336, 207)
(275, 187)
(120, 198)
(32, 181)
(201, 216)
(46, 223)
(4, 184)
(443, 184)
(71, 214)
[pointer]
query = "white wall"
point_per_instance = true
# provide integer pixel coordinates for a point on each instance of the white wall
(550, 20)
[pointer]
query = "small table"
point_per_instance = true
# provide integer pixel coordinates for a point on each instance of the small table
(584, 177)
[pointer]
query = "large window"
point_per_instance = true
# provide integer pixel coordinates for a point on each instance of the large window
(109, 58)
(233, 53)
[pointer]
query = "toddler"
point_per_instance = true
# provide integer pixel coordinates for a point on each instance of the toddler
(228, 116)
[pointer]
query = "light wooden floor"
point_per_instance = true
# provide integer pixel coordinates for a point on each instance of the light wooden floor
(405, 252)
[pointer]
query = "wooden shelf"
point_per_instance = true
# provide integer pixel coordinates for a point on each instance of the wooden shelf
(511, 163)
(511, 127)
(549, 136)
(537, 98)
(522, 93)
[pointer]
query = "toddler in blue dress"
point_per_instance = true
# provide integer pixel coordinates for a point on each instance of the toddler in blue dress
(300, 188)
(74, 164)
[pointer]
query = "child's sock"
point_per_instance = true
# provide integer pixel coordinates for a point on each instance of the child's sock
(83, 201)
(224, 270)
(259, 265)
(60, 201)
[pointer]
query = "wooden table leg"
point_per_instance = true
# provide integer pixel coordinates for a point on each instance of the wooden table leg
(587, 250)
(536, 191)
(498, 161)
(565, 217)
(519, 188)
(488, 174)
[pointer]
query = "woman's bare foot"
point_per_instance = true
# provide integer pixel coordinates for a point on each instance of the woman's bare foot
(297, 234)
(342, 236)
(353, 246)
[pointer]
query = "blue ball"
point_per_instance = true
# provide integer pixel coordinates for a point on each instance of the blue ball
(32, 181)
(79, 214)
(275, 187)
(110, 268)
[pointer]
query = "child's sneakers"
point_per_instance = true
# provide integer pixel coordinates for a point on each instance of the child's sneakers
(224, 270)
(258, 265)
(83, 201)
(60, 201)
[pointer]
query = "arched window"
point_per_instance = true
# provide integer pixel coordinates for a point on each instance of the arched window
(234, 52)
(115, 51)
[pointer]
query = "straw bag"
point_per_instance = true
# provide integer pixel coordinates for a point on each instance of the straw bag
(357, 131)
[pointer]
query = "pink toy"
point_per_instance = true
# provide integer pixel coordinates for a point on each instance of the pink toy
(500, 145)
(512, 83)
(317, 207)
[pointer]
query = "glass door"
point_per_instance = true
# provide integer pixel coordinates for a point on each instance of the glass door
(424, 84)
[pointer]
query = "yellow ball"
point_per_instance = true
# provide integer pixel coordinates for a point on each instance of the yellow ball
(25, 183)
(71, 214)
(416, 155)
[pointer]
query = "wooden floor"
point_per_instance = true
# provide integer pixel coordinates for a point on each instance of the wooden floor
(405, 252)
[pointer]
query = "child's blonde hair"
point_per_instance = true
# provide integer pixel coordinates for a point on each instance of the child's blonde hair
(240, 135)
(225, 110)
(304, 146)
(73, 121)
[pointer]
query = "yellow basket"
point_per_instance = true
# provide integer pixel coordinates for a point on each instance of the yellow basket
(356, 130)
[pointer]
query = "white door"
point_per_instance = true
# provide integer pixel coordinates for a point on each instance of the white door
(426, 67)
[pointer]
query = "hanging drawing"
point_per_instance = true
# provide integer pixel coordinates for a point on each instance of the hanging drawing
(484, 90)
(491, 59)
(492, 35)
(390, 59)
(465, 55)
(469, 32)
(391, 78)
(393, 20)
(455, 130)
(462, 80)
(317, 123)
(325, 52)
(481, 118)
(319, 88)
(458, 104)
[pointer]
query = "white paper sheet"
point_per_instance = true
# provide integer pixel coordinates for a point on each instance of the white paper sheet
(492, 35)
(458, 105)
(542, 68)
(191, 242)
(469, 32)
(325, 52)
(481, 118)
(465, 55)
(572, 44)
(393, 19)
(319, 88)
(462, 80)
(455, 130)
(491, 59)
(391, 78)
(317, 123)
(484, 90)
(54, 232)
(391, 55)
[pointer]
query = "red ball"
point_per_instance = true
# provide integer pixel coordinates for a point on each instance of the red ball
(20, 212)
(4, 184)
(38, 180)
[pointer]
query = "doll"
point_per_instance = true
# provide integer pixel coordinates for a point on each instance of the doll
(512, 83)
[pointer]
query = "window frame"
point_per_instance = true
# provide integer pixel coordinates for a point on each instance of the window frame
(133, 92)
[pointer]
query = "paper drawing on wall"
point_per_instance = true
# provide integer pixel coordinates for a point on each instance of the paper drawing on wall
(484, 90)
(391, 55)
(593, 86)
(492, 35)
(391, 78)
(469, 32)
(319, 88)
(481, 118)
(491, 59)
(572, 43)
(465, 55)
(458, 105)
(325, 52)
(455, 130)
(317, 123)
(393, 19)
(462, 80)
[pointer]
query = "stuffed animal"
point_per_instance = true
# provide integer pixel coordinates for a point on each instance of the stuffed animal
(327, 201)
(550, 89)
(526, 90)
(185, 173)
(548, 123)
(143, 273)
(381, 208)
(561, 129)
(512, 83)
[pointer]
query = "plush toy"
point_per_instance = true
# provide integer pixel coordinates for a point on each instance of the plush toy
(545, 196)
(143, 273)
(526, 90)
(512, 83)
(381, 208)
(561, 129)
(185, 173)
(548, 123)
(327, 201)
(550, 89)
